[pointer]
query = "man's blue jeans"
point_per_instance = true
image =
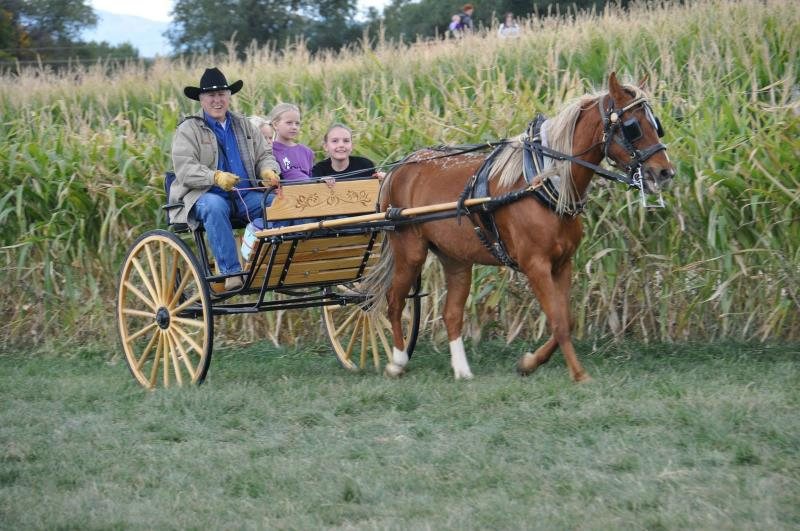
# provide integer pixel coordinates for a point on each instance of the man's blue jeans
(214, 212)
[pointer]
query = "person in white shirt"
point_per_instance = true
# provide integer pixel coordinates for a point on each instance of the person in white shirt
(509, 27)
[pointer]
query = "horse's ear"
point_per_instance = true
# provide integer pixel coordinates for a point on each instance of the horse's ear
(614, 87)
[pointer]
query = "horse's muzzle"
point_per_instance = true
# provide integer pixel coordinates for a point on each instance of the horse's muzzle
(657, 179)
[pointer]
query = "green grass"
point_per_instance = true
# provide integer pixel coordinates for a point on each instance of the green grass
(666, 437)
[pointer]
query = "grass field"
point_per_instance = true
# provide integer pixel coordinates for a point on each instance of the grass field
(665, 437)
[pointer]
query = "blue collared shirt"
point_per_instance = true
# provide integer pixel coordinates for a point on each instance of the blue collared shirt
(230, 159)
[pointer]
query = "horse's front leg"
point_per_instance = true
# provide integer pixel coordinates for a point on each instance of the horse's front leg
(458, 281)
(552, 290)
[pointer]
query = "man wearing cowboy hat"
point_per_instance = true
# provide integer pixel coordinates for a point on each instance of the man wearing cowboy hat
(218, 155)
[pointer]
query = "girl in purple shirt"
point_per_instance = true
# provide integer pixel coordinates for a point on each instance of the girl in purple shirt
(294, 159)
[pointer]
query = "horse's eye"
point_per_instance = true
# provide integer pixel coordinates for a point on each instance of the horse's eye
(631, 130)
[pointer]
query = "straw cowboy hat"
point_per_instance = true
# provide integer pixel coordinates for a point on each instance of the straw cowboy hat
(212, 81)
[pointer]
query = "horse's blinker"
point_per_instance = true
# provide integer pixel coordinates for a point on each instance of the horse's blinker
(631, 130)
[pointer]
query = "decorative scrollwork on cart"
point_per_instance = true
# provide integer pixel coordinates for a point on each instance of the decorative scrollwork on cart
(316, 200)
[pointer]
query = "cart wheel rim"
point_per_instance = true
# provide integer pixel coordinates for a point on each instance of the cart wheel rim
(164, 313)
(362, 339)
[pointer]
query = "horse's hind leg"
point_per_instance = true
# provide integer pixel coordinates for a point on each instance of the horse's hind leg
(458, 277)
(528, 363)
(407, 268)
(552, 290)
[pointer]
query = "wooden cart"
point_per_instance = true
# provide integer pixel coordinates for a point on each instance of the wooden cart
(168, 292)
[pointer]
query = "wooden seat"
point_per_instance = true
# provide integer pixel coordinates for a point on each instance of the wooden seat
(319, 259)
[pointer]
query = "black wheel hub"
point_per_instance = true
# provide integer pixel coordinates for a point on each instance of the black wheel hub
(162, 318)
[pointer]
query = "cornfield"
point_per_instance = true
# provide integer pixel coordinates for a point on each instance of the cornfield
(84, 151)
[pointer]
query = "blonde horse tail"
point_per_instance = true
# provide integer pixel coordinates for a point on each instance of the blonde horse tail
(376, 282)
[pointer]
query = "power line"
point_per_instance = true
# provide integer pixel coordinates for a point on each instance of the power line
(87, 60)
(67, 47)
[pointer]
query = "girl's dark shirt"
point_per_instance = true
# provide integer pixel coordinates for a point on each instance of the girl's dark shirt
(359, 166)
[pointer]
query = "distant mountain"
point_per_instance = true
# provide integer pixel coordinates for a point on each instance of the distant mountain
(145, 35)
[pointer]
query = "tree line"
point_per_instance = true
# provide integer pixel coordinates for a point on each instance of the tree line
(49, 30)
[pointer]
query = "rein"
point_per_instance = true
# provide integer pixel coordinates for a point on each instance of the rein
(460, 150)
(536, 145)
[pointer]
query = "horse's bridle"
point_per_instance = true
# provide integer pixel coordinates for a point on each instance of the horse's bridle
(626, 132)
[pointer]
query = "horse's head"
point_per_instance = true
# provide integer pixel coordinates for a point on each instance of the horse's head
(631, 135)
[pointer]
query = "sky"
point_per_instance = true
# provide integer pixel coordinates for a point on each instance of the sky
(159, 9)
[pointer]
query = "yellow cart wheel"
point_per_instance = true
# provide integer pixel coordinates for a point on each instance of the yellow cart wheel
(164, 312)
(360, 338)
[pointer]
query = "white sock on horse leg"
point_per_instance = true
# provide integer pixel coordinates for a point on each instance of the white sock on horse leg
(399, 357)
(458, 360)
(396, 367)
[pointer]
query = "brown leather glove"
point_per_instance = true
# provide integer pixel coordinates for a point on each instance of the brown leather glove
(225, 180)
(269, 178)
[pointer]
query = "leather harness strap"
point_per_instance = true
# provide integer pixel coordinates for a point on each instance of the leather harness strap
(478, 186)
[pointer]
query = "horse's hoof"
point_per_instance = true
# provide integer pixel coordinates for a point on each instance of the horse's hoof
(527, 364)
(463, 375)
(583, 378)
(392, 370)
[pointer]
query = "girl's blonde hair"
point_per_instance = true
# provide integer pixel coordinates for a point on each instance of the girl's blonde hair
(258, 121)
(336, 125)
(276, 112)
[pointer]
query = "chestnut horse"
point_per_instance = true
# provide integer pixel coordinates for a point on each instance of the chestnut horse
(539, 236)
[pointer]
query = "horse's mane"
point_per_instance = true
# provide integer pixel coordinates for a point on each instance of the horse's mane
(558, 131)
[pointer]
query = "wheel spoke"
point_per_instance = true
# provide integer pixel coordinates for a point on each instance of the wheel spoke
(174, 357)
(189, 322)
(156, 362)
(183, 355)
(146, 351)
(352, 342)
(145, 280)
(196, 297)
(346, 322)
(138, 313)
(176, 335)
(192, 343)
(385, 343)
(133, 289)
(154, 278)
(376, 360)
(165, 357)
(162, 255)
(178, 292)
(363, 357)
(170, 284)
(141, 332)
